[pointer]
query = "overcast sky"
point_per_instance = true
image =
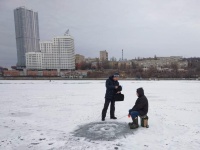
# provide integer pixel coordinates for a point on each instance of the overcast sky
(143, 28)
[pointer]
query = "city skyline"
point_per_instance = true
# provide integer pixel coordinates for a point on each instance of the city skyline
(167, 28)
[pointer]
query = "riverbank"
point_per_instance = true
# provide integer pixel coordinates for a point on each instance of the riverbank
(62, 78)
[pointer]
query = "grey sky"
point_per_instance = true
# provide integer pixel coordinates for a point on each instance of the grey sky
(140, 27)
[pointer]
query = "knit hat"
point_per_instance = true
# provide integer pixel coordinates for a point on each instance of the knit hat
(116, 74)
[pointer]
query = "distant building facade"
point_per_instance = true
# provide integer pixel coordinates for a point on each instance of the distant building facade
(27, 33)
(91, 60)
(161, 62)
(103, 56)
(58, 54)
(34, 60)
(124, 64)
(79, 58)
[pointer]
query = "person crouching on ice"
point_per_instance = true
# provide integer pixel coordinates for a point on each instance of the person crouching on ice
(139, 109)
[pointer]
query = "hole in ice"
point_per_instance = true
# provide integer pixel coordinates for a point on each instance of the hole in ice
(105, 131)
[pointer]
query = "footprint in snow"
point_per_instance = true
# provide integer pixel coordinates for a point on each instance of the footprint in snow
(41, 139)
(35, 143)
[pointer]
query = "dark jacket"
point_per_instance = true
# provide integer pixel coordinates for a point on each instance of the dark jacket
(141, 104)
(110, 88)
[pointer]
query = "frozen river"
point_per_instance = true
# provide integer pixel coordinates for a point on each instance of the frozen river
(67, 115)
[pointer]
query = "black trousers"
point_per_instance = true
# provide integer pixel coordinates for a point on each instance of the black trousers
(105, 108)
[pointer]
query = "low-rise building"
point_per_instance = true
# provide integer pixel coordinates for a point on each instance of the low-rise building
(79, 58)
(11, 73)
(125, 64)
(34, 60)
(90, 60)
(113, 64)
(74, 74)
(161, 62)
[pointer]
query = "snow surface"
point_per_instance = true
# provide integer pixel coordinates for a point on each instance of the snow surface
(67, 115)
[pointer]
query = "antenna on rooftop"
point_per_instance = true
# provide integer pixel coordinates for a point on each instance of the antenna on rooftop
(67, 32)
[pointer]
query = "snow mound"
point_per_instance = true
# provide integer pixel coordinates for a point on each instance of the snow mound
(104, 131)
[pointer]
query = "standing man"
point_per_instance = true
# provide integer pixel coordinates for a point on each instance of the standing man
(112, 87)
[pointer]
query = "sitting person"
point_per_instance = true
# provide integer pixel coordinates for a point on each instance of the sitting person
(139, 109)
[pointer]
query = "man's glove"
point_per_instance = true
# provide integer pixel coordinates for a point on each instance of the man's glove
(119, 88)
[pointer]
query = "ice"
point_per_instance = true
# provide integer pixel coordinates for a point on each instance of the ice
(67, 115)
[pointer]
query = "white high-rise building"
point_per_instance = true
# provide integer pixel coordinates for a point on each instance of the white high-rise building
(58, 54)
(46, 47)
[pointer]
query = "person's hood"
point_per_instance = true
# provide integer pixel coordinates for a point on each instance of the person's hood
(140, 92)
(111, 77)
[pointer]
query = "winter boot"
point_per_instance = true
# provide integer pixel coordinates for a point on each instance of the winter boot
(131, 123)
(134, 125)
(113, 117)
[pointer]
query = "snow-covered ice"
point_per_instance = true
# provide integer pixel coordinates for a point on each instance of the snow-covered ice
(67, 115)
